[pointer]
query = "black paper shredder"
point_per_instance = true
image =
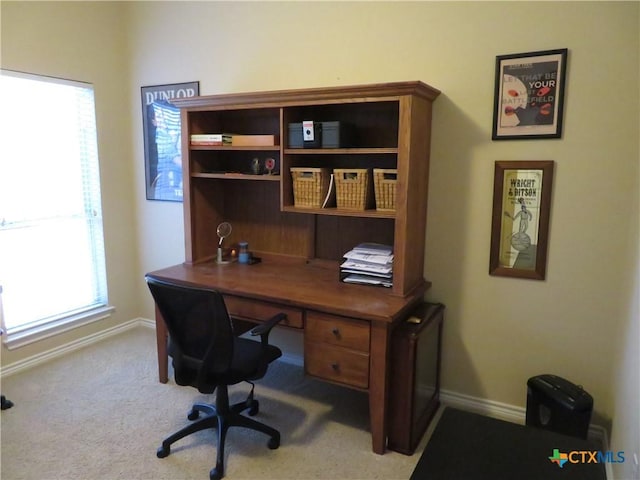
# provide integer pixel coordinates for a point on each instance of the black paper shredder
(556, 404)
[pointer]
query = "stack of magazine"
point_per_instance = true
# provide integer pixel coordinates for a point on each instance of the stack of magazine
(368, 264)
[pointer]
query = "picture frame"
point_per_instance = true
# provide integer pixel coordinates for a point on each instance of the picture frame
(162, 139)
(520, 218)
(529, 95)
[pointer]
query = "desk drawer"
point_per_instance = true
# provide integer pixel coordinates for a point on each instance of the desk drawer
(262, 311)
(338, 331)
(336, 364)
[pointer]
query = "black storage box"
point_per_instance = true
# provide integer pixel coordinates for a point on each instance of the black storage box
(556, 404)
(327, 134)
(414, 384)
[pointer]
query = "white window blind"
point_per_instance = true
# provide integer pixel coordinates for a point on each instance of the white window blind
(52, 264)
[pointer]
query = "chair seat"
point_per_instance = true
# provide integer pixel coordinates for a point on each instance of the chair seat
(249, 362)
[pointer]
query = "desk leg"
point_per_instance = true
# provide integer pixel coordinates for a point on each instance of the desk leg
(161, 340)
(378, 385)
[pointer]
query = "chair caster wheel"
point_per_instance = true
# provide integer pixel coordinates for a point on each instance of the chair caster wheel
(254, 408)
(214, 475)
(193, 414)
(274, 442)
(163, 452)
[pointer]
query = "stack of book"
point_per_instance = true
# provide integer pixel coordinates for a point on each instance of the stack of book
(211, 139)
(232, 139)
(368, 264)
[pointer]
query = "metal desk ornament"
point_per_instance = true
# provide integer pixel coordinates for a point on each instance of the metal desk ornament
(223, 231)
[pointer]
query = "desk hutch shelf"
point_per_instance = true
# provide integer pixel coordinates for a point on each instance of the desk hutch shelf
(391, 125)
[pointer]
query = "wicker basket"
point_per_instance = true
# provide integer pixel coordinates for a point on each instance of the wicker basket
(309, 186)
(384, 181)
(352, 188)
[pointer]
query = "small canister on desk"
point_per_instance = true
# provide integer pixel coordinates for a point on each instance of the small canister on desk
(243, 252)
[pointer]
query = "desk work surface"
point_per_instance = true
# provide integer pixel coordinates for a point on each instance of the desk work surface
(297, 283)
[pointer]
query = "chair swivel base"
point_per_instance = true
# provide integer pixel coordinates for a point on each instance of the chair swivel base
(221, 416)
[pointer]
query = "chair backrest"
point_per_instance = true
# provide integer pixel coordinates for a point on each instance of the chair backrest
(201, 337)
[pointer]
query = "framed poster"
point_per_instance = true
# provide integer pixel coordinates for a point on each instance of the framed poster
(529, 95)
(520, 219)
(162, 133)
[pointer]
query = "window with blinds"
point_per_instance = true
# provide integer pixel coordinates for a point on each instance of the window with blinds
(52, 263)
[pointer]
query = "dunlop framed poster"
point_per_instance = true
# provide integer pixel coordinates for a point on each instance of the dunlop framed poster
(162, 139)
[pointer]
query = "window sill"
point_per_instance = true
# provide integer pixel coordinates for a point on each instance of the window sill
(25, 337)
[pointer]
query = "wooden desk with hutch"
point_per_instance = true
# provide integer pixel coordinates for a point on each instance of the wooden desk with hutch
(346, 327)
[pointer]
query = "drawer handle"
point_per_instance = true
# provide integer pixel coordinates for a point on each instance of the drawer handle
(335, 331)
(335, 366)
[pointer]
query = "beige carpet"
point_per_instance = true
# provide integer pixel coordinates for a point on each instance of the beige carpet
(100, 413)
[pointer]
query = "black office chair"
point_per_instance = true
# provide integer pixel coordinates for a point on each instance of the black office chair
(208, 355)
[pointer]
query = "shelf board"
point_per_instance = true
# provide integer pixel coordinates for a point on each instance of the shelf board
(371, 213)
(238, 176)
(339, 151)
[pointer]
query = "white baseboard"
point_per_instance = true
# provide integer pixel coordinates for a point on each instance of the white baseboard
(490, 408)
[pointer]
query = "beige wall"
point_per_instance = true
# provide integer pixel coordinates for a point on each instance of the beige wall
(581, 322)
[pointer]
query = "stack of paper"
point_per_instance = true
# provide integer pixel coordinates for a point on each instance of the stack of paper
(369, 264)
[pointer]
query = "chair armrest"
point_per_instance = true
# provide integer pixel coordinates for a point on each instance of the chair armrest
(264, 329)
